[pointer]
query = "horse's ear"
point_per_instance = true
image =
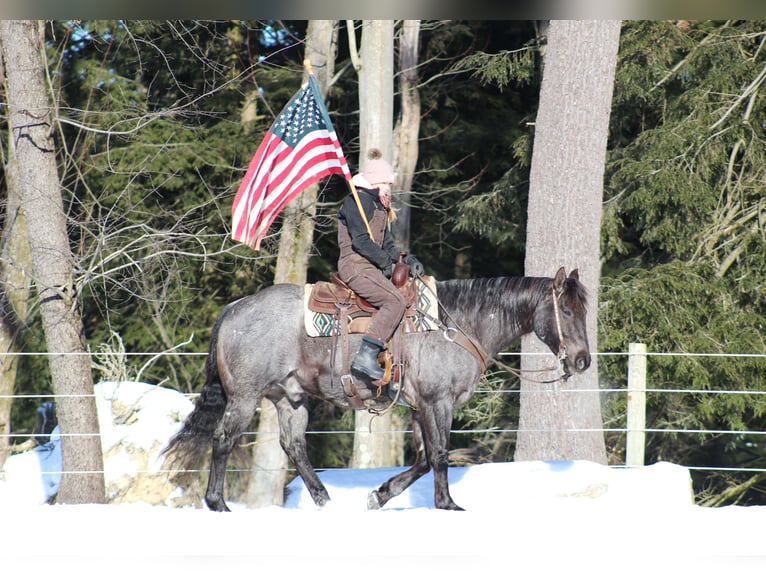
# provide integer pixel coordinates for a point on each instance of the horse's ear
(559, 279)
(575, 274)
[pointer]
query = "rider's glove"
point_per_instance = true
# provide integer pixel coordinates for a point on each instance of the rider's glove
(416, 267)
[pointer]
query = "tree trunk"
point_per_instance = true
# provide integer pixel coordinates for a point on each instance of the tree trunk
(564, 216)
(376, 89)
(407, 130)
(381, 447)
(8, 365)
(15, 270)
(33, 165)
(266, 485)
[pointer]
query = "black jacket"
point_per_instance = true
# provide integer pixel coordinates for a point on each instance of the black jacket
(382, 253)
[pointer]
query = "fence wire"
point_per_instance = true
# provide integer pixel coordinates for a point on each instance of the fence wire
(477, 431)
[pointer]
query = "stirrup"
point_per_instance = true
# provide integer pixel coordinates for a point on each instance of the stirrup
(396, 394)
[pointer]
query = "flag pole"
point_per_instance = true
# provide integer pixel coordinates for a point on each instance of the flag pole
(310, 71)
(360, 208)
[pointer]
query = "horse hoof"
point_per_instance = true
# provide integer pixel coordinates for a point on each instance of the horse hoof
(217, 505)
(450, 506)
(373, 502)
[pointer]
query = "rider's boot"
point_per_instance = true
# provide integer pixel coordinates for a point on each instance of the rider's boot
(366, 359)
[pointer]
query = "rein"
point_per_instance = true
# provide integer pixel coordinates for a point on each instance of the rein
(480, 351)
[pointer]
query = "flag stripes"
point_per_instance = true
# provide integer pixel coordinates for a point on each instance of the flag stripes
(300, 148)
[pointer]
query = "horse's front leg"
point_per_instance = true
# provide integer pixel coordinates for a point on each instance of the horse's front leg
(437, 422)
(293, 421)
(399, 483)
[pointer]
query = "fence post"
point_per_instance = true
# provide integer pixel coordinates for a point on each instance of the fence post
(636, 441)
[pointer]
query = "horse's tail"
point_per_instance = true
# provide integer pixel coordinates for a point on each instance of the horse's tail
(189, 445)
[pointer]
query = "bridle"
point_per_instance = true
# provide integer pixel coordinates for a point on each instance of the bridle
(561, 356)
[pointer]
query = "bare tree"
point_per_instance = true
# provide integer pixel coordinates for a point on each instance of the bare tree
(375, 65)
(266, 486)
(15, 270)
(32, 159)
(407, 129)
(564, 217)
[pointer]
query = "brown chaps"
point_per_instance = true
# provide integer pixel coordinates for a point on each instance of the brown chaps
(368, 282)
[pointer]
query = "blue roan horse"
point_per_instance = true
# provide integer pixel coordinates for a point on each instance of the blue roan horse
(259, 348)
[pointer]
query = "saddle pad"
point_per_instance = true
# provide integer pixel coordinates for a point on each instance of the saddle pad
(321, 324)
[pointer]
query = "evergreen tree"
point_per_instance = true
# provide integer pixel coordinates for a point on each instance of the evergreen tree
(684, 238)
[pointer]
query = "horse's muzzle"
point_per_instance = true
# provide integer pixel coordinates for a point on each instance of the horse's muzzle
(582, 361)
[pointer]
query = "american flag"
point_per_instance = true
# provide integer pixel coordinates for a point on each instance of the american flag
(300, 148)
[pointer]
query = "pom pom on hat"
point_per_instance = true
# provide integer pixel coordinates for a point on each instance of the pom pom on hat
(378, 170)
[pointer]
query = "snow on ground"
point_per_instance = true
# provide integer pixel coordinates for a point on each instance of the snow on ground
(520, 517)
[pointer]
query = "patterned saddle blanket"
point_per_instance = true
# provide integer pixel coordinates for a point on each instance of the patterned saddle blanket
(324, 300)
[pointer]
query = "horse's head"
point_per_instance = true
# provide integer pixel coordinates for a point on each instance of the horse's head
(560, 321)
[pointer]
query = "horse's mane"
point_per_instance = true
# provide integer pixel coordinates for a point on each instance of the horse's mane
(473, 299)
(480, 296)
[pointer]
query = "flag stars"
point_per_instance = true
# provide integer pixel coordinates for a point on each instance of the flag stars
(299, 118)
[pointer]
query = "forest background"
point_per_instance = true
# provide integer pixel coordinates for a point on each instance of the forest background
(158, 121)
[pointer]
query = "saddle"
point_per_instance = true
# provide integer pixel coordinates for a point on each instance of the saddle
(333, 296)
(332, 309)
(352, 314)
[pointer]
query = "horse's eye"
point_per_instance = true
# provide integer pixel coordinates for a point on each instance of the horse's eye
(566, 312)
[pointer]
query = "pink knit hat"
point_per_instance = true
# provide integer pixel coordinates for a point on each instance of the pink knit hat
(378, 170)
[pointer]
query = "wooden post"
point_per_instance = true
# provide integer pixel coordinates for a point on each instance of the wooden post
(636, 441)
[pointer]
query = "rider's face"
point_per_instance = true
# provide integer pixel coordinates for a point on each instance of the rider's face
(384, 193)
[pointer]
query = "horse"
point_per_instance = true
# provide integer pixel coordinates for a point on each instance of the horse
(259, 348)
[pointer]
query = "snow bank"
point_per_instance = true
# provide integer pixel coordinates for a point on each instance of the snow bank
(136, 421)
(520, 484)
(32, 477)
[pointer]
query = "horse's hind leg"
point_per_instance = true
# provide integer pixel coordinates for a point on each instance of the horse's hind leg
(293, 421)
(399, 483)
(239, 412)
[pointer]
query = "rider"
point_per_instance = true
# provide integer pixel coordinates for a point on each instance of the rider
(365, 263)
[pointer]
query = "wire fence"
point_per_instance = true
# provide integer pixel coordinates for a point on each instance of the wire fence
(621, 388)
